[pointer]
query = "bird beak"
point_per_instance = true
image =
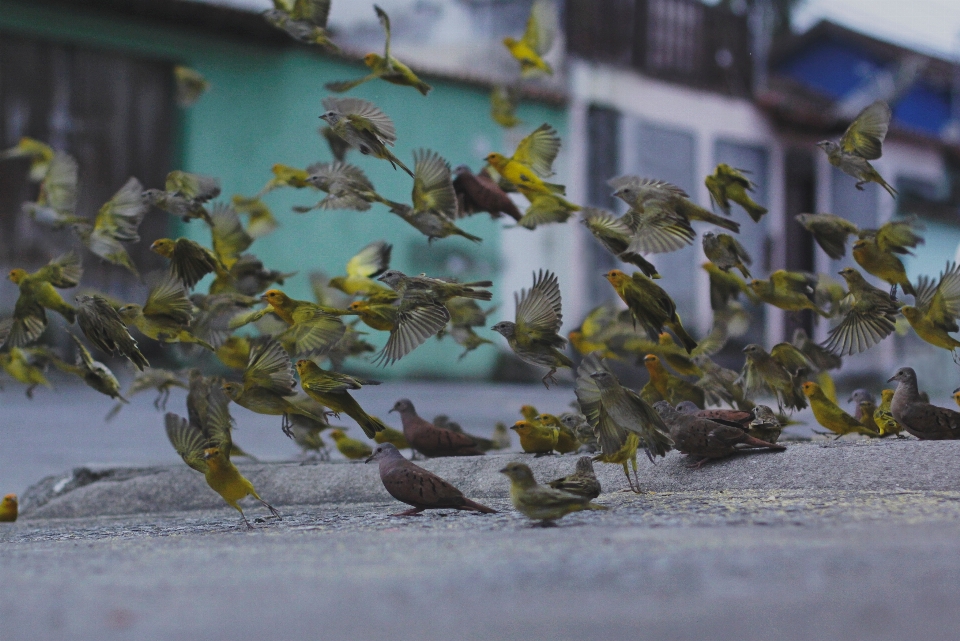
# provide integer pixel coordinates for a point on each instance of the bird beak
(392, 409)
(890, 380)
(594, 375)
(503, 470)
(369, 458)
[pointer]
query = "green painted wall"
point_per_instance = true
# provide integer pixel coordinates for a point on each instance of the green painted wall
(264, 108)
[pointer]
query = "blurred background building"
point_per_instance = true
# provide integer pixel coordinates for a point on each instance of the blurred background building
(661, 88)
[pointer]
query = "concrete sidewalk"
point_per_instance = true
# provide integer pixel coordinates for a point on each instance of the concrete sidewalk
(839, 540)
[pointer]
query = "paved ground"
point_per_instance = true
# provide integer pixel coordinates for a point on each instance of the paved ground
(842, 540)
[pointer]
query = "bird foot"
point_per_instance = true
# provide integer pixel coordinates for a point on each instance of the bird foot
(411, 512)
(860, 185)
(698, 464)
(549, 377)
(545, 523)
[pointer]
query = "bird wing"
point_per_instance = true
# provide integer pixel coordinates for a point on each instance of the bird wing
(230, 239)
(656, 230)
(28, 323)
(791, 359)
(860, 329)
(543, 209)
(610, 436)
(341, 174)
(897, 235)
(372, 260)
(648, 188)
(432, 185)
(338, 146)
(538, 150)
(944, 307)
(364, 115)
(168, 300)
(313, 11)
(418, 318)
(326, 382)
(219, 424)
(542, 26)
(385, 23)
(864, 137)
(83, 354)
(538, 309)
(926, 289)
(62, 272)
(605, 227)
(734, 246)
(313, 332)
(734, 175)
(193, 186)
(797, 282)
(269, 368)
(59, 187)
(120, 217)
(191, 261)
(187, 440)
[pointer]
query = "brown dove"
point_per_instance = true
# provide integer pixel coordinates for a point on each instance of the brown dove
(413, 485)
(430, 440)
(923, 420)
(705, 439)
(480, 192)
(735, 418)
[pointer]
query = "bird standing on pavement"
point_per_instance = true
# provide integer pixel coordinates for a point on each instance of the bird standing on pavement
(539, 502)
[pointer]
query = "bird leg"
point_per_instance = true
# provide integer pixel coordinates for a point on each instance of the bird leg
(411, 512)
(30, 391)
(545, 523)
(860, 184)
(286, 425)
(549, 377)
(244, 517)
(634, 464)
(272, 509)
(699, 464)
(893, 291)
(626, 471)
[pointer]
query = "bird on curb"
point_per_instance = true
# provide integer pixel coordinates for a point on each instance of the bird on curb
(303, 20)
(724, 251)
(332, 390)
(871, 316)
(105, 328)
(351, 448)
(536, 438)
(865, 406)
(38, 292)
(537, 39)
(936, 308)
(578, 423)
(670, 387)
(650, 306)
(727, 184)
(861, 143)
(566, 438)
(533, 336)
(831, 416)
(419, 488)
(385, 67)
(621, 420)
(703, 439)
(540, 502)
(735, 418)
(765, 425)
(919, 418)
(583, 482)
(9, 508)
(363, 126)
(430, 440)
(206, 448)
(883, 417)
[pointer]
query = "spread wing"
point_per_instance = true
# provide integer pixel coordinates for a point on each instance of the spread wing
(59, 187)
(538, 150)
(169, 300)
(656, 230)
(864, 137)
(269, 368)
(187, 440)
(372, 260)
(314, 331)
(365, 111)
(193, 186)
(432, 184)
(120, 217)
(62, 272)
(312, 11)
(542, 26)
(538, 309)
(418, 318)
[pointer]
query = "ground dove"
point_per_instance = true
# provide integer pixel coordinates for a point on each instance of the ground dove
(413, 485)
(735, 418)
(430, 440)
(923, 420)
(705, 439)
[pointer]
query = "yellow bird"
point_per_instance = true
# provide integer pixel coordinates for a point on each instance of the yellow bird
(670, 387)
(537, 39)
(877, 249)
(539, 502)
(392, 436)
(536, 438)
(9, 508)
(936, 309)
(40, 155)
(531, 163)
(883, 417)
(830, 415)
(350, 447)
(20, 365)
(791, 291)
(165, 316)
(37, 293)
(566, 439)
(371, 261)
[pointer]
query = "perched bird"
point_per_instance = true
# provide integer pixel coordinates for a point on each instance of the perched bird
(584, 431)
(103, 326)
(616, 237)
(189, 260)
(566, 438)
(860, 399)
(724, 251)
(39, 153)
(303, 20)
(883, 417)
(871, 316)
(536, 438)
(920, 418)
(778, 373)
(727, 184)
(363, 126)
(539, 502)
(583, 482)
(269, 388)
(670, 387)
(305, 432)
(650, 305)
(166, 315)
(765, 425)
(9, 508)
(537, 39)
(531, 163)
(643, 193)
(703, 439)
(621, 420)
(206, 448)
(184, 195)
(503, 106)
(434, 199)
(423, 490)
(351, 448)
(936, 308)
(38, 291)
(393, 437)
(368, 263)
(876, 251)
(94, 373)
(790, 291)
(830, 232)
(533, 335)
(829, 415)
(479, 192)
(332, 390)
(430, 440)
(861, 143)
(501, 437)
(190, 85)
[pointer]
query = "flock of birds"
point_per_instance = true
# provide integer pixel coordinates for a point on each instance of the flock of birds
(679, 408)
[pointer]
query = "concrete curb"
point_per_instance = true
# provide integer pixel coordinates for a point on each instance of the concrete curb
(835, 465)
